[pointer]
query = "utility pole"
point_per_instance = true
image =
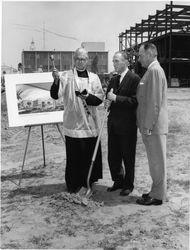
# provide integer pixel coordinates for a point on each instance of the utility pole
(43, 36)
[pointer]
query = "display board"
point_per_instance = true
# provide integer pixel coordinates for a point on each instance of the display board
(29, 101)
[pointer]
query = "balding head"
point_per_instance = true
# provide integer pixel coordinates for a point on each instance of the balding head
(120, 61)
(79, 52)
(81, 59)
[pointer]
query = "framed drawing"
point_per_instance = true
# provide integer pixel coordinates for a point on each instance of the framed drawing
(29, 101)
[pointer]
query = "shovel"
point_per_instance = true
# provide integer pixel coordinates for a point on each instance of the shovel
(89, 191)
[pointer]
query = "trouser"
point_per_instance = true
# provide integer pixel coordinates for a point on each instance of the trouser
(79, 153)
(156, 152)
(122, 149)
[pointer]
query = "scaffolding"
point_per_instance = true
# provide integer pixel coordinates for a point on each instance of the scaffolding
(169, 30)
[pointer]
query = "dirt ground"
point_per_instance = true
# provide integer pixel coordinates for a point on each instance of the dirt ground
(42, 215)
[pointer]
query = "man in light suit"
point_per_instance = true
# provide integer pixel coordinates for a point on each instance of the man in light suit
(152, 120)
(122, 129)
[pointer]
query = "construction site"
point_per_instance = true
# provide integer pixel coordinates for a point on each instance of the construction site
(37, 211)
(169, 30)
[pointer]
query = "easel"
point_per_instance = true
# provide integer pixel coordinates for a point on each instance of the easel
(27, 141)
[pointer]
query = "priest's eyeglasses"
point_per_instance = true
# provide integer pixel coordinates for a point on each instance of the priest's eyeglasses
(81, 59)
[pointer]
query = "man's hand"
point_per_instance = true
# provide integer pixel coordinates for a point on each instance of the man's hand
(55, 75)
(111, 96)
(107, 103)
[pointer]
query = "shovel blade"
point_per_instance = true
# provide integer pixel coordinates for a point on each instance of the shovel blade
(85, 198)
(84, 201)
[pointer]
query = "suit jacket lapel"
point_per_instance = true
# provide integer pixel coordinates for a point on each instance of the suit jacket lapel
(125, 79)
(115, 84)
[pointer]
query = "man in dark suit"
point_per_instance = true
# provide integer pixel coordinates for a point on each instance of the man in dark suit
(122, 128)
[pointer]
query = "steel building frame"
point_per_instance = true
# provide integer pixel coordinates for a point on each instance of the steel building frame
(173, 19)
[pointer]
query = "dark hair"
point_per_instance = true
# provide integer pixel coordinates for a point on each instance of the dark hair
(124, 55)
(151, 47)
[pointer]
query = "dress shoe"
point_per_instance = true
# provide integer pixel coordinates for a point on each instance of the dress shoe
(116, 185)
(125, 192)
(148, 201)
(145, 195)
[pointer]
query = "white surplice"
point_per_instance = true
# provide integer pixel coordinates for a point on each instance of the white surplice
(77, 123)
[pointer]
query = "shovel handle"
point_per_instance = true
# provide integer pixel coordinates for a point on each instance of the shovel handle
(96, 149)
(99, 136)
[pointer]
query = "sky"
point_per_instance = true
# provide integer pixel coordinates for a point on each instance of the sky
(69, 23)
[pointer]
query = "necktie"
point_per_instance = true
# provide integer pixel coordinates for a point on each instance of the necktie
(118, 80)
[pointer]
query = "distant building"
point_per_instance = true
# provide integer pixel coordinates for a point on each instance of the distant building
(64, 60)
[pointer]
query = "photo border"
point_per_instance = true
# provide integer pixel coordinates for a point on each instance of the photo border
(15, 120)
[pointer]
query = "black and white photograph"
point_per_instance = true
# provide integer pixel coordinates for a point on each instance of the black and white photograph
(95, 119)
(28, 100)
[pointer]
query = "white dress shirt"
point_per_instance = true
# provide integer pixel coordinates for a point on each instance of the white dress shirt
(123, 74)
